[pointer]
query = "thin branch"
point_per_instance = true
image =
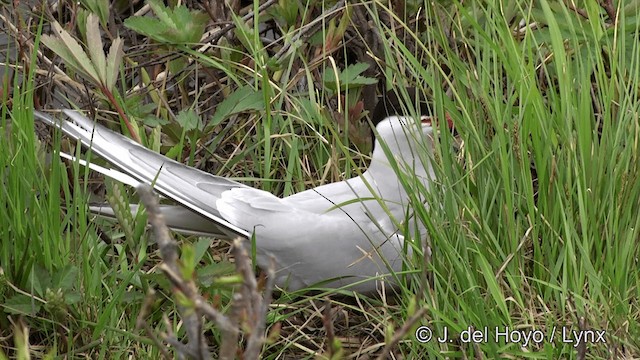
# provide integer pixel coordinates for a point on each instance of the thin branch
(582, 12)
(142, 324)
(401, 333)
(196, 346)
(310, 27)
(610, 8)
(213, 39)
(249, 306)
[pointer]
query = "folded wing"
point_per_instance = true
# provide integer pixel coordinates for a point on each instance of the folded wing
(192, 188)
(332, 247)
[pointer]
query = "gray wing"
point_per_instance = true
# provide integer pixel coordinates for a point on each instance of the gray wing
(309, 247)
(177, 218)
(192, 188)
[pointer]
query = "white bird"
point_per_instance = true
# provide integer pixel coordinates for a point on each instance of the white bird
(347, 233)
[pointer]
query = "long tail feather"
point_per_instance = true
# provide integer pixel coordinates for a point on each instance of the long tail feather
(110, 173)
(192, 188)
(178, 219)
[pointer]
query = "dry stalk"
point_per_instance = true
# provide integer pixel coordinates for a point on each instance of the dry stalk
(249, 305)
(401, 333)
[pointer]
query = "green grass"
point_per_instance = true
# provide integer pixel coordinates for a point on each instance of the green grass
(536, 228)
(506, 252)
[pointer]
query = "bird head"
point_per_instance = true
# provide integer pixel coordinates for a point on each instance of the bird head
(400, 135)
(403, 135)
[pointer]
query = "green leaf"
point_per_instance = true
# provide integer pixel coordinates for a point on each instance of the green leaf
(100, 7)
(21, 304)
(288, 11)
(348, 78)
(94, 66)
(94, 45)
(245, 34)
(137, 107)
(114, 59)
(173, 26)
(163, 13)
(243, 99)
(78, 56)
(201, 247)
(154, 121)
(146, 26)
(65, 278)
(188, 120)
(72, 297)
(59, 47)
(208, 274)
(40, 279)
(188, 263)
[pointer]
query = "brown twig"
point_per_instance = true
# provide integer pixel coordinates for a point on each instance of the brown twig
(608, 6)
(582, 345)
(196, 347)
(249, 306)
(213, 39)
(310, 27)
(582, 12)
(401, 333)
(327, 323)
(142, 324)
(123, 116)
(250, 300)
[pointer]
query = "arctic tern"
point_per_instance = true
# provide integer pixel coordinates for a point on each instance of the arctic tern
(343, 234)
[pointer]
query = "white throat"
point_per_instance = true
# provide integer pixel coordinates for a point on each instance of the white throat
(401, 143)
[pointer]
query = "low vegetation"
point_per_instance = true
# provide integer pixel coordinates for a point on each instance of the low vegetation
(533, 227)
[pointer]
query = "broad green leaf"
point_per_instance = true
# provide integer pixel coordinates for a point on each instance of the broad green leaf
(72, 297)
(99, 7)
(352, 72)
(94, 45)
(201, 247)
(172, 26)
(65, 278)
(243, 99)
(163, 13)
(348, 78)
(40, 279)
(21, 304)
(154, 121)
(188, 120)
(78, 56)
(113, 63)
(145, 26)
(209, 273)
